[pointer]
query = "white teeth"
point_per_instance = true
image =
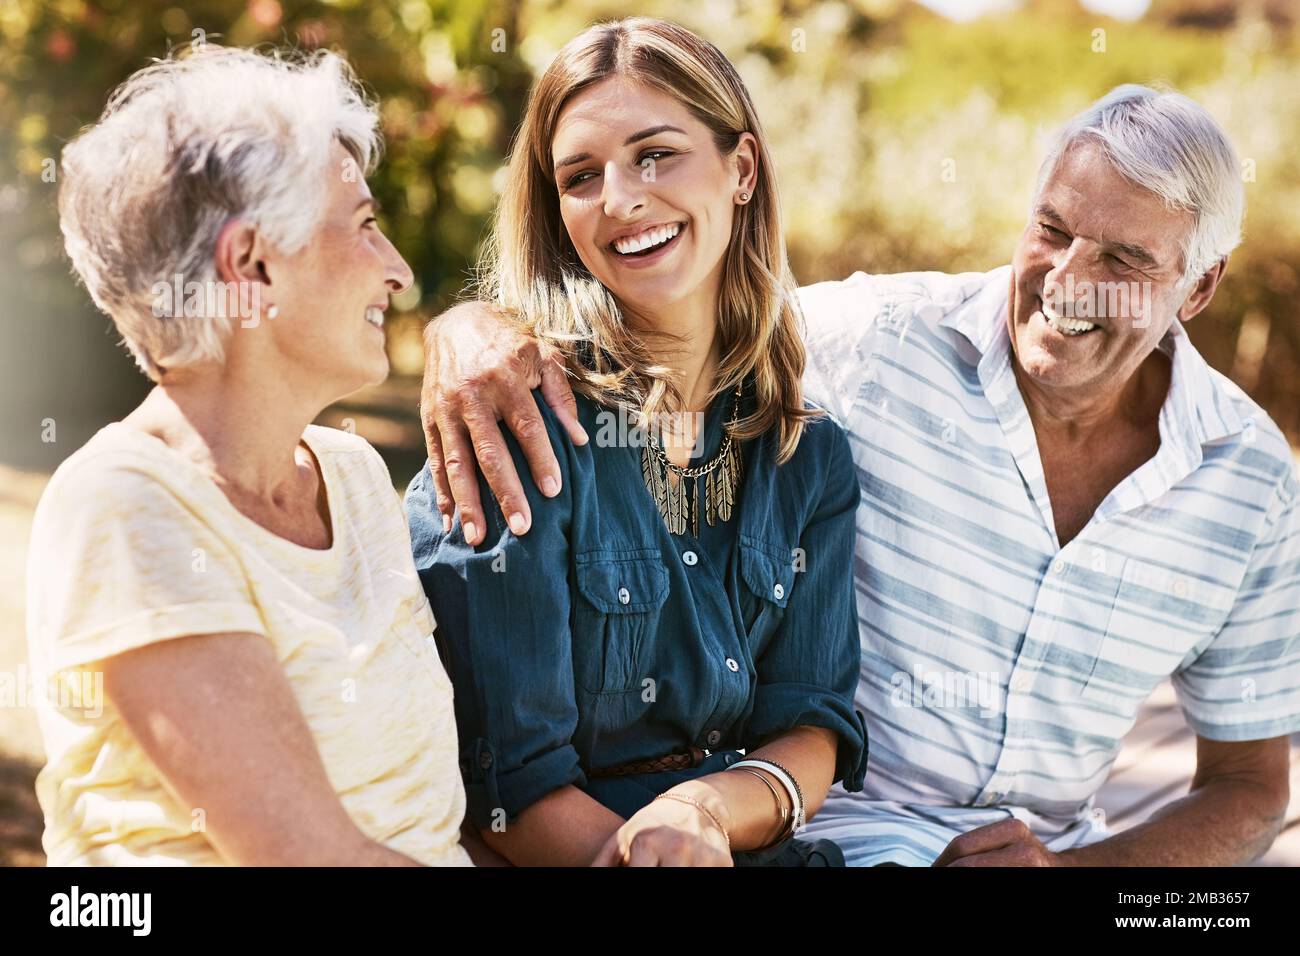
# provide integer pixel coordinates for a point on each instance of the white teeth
(375, 316)
(644, 240)
(1067, 326)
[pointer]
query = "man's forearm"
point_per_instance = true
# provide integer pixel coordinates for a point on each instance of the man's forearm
(1223, 823)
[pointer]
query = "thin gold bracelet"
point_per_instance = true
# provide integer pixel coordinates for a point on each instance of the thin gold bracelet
(780, 804)
(703, 809)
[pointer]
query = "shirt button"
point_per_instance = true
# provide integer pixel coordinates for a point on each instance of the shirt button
(732, 665)
(1021, 682)
(690, 558)
(485, 760)
(713, 737)
(1058, 566)
(779, 590)
(1180, 587)
(624, 596)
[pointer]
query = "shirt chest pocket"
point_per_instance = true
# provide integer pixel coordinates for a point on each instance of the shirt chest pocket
(620, 600)
(1158, 616)
(767, 575)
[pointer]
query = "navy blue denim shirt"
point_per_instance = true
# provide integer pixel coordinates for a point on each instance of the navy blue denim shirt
(599, 637)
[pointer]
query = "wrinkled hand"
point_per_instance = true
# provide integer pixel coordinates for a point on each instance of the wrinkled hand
(666, 833)
(1005, 843)
(478, 368)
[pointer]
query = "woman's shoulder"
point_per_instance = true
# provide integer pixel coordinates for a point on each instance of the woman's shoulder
(549, 514)
(124, 507)
(591, 415)
(821, 471)
(119, 469)
(824, 442)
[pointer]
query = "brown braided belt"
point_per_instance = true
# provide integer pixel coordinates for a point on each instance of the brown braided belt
(681, 761)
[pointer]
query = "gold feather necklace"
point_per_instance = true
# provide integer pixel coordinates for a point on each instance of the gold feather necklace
(721, 478)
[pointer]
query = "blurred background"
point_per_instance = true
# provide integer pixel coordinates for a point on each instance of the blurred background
(906, 136)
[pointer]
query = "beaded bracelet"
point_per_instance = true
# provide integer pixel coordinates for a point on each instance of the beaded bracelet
(787, 779)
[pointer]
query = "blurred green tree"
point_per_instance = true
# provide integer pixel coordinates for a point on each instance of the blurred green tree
(903, 141)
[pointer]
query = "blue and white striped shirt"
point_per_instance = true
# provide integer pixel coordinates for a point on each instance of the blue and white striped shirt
(1000, 671)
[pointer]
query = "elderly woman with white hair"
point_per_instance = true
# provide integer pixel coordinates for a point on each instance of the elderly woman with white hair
(237, 580)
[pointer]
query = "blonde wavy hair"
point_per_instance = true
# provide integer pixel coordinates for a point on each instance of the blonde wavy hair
(531, 268)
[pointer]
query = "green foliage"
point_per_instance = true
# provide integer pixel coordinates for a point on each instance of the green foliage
(903, 141)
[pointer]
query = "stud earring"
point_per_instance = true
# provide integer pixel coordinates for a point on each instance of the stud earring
(272, 312)
(744, 197)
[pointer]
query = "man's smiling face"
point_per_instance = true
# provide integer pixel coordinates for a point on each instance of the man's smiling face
(1091, 228)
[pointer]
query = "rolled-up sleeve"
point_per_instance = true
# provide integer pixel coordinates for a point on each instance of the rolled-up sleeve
(808, 673)
(502, 613)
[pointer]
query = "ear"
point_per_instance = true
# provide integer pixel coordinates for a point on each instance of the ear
(745, 160)
(1203, 291)
(240, 253)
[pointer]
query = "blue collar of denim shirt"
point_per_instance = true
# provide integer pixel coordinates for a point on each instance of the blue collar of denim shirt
(753, 512)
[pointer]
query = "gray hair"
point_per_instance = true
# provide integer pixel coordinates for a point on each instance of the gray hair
(183, 146)
(1168, 144)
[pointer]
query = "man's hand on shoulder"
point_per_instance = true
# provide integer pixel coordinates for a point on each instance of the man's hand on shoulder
(479, 368)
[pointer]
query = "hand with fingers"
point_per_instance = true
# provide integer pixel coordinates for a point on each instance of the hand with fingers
(668, 832)
(480, 369)
(1006, 843)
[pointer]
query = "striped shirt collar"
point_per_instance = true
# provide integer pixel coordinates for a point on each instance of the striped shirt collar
(1198, 409)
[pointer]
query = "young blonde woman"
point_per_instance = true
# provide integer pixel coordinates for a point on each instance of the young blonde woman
(688, 593)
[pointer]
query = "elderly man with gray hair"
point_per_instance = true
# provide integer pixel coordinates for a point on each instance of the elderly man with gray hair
(1062, 506)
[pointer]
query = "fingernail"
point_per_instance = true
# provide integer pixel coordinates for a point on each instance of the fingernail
(470, 531)
(517, 523)
(583, 432)
(550, 486)
(446, 523)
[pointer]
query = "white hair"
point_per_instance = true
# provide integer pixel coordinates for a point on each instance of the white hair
(1168, 144)
(183, 146)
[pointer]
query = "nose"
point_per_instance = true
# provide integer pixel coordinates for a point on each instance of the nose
(400, 276)
(623, 194)
(1066, 263)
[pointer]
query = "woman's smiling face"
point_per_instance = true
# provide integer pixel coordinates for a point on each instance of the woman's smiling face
(645, 195)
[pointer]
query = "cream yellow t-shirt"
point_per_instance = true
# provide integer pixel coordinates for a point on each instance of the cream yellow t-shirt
(132, 544)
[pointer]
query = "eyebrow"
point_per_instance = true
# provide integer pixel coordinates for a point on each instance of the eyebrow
(1135, 252)
(1130, 249)
(370, 201)
(634, 138)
